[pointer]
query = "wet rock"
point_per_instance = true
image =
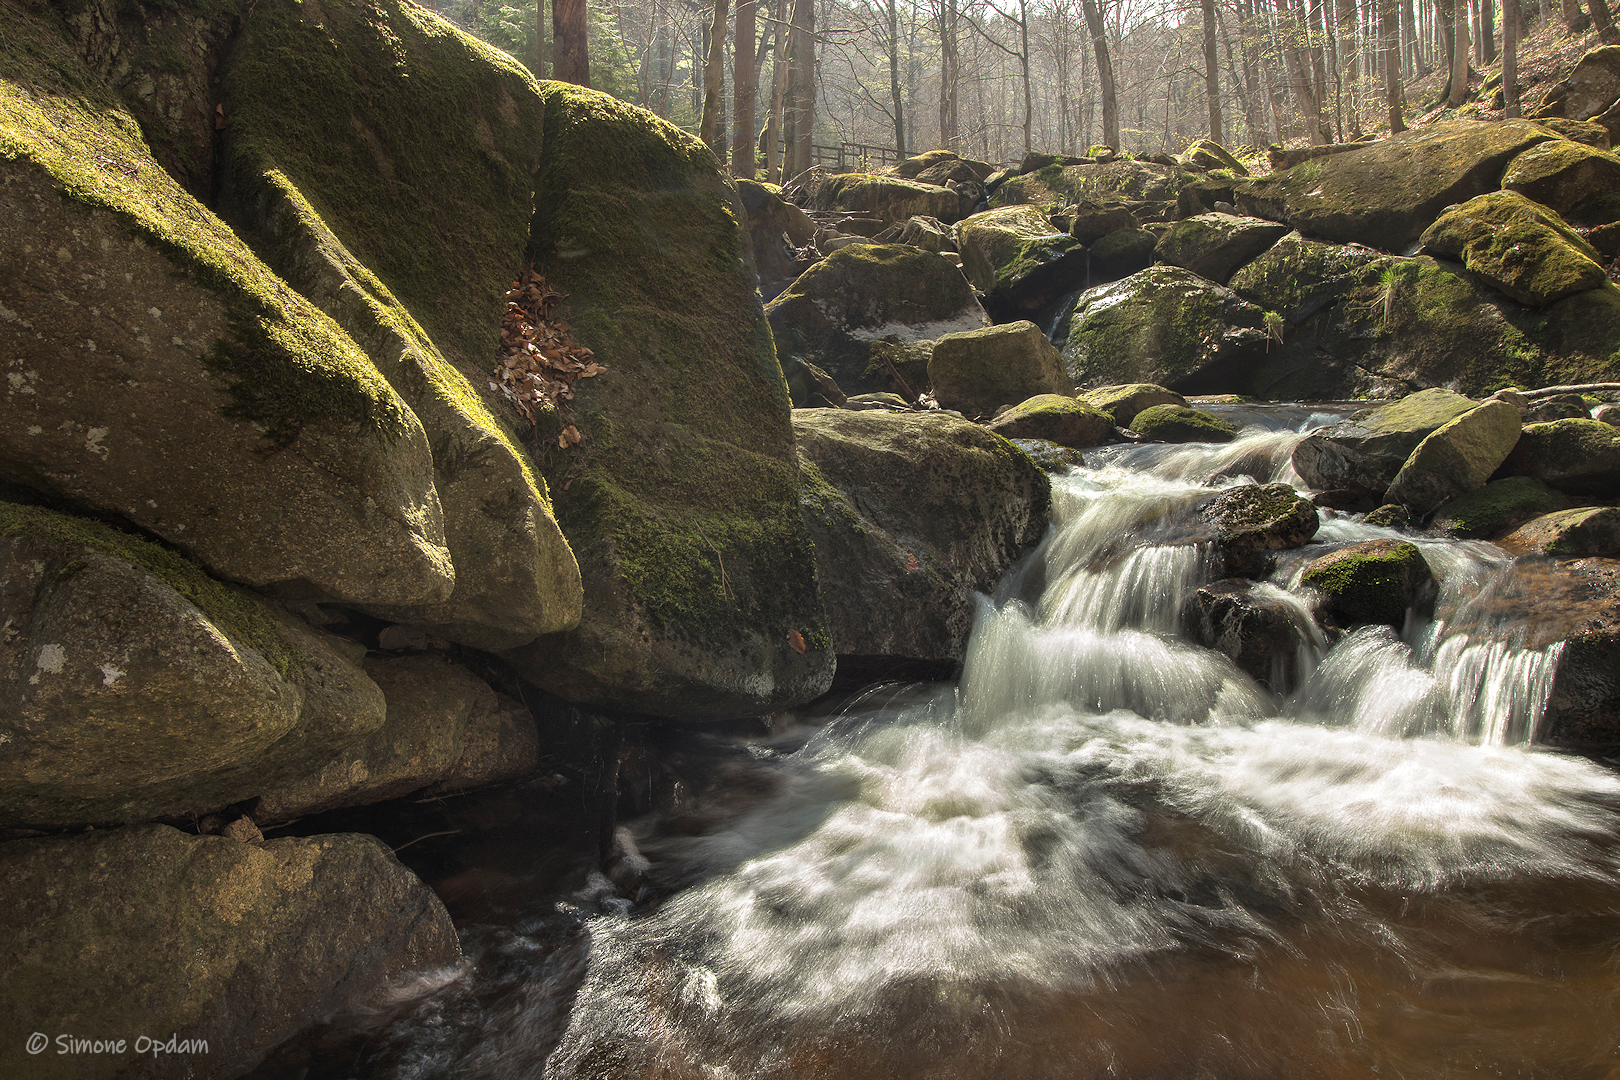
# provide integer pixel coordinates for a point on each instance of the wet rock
(863, 402)
(1389, 516)
(1051, 456)
(870, 293)
(1258, 626)
(1375, 581)
(1589, 530)
(1365, 452)
(912, 514)
(1091, 221)
(1456, 458)
(978, 371)
(1577, 602)
(1119, 254)
(1518, 247)
(1497, 508)
(144, 929)
(1216, 245)
(780, 233)
(1018, 259)
(1055, 418)
(1565, 407)
(1123, 402)
(1253, 521)
(1609, 414)
(1578, 457)
(1180, 424)
(1576, 182)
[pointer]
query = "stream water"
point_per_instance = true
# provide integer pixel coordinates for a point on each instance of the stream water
(1104, 852)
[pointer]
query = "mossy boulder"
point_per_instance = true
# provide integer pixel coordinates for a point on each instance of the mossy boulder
(1518, 246)
(245, 427)
(1579, 183)
(1365, 452)
(1216, 245)
(1180, 424)
(138, 687)
(1386, 193)
(867, 293)
(1585, 132)
(887, 197)
(979, 371)
(1497, 508)
(1591, 89)
(1054, 418)
(1577, 457)
(1570, 534)
(1253, 624)
(445, 731)
(1209, 154)
(1253, 521)
(1091, 220)
(1163, 325)
(1018, 259)
(927, 233)
(1297, 278)
(1056, 185)
(912, 515)
(681, 503)
(780, 233)
(1123, 402)
(1119, 254)
(1456, 458)
(146, 930)
(933, 161)
(1375, 581)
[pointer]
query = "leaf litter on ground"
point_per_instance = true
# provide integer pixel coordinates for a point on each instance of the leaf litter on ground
(539, 360)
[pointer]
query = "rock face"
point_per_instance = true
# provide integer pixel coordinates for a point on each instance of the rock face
(1497, 508)
(1365, 452)
(1253, 521)
(780, 233)
(149, 930)
(681, 503)
(979, 371)
(1517, 246)
(1591, 530)
(1456, 458)
(1018, 259)
(912, 514)
(1375, 581)
(138, 687)
(870, 293)
(1215, 245)
(1385, 194)
(1164, 325)
(1054, 418)
(1576, 182)
(1577, 457)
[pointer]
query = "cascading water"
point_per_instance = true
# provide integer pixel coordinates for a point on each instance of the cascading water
(1107, 852)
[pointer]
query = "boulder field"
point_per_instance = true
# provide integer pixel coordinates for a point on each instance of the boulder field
(380, 422)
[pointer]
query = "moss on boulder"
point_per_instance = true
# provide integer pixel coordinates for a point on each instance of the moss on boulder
(1497, 508)
(1208, 154)
(681, 504)
(1056, 185)
(1253, 521)
(1365, 452)
(1019, 259)
(1577, 457)
(1122, 403)
(1180, 424)
(1518, 246)
(1574, 181)
(1375, 581)
(778, 261)
(1571, 534)
(887, 197)
(979, 371)
(1297, 278)
(1456, 458)
(1054, 418)
(1216, 245)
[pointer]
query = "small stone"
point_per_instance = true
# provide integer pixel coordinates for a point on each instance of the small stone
(243, 831)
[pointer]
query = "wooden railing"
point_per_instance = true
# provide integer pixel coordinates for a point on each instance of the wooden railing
(853, 157)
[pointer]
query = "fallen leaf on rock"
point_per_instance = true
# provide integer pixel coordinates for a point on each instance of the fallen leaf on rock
(539, 360)
(795, 641)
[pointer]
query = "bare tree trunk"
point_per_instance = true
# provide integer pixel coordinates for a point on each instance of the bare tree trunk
(1253, 111)
(1212, 75)
(896, 100)
(1603, 21)
(1350, 63)
(572, 54)
(779, 82)
(539, 39)
(1510, 58)
(745, 88)
(1023, 65)
(1487, 31)
(949, 71)
(711, 126)
(1459, 54)
(1575, 20)
(1105, 72)
(1299, 71)
(1393, 89)
(799, 113)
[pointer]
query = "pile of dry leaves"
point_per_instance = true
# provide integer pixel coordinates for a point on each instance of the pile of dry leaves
(539, 359)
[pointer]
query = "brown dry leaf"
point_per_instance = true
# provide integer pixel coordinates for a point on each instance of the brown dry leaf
(570, 436)
(795, 641)
(539, 360)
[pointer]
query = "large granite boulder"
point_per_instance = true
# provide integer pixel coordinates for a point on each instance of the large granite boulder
(137, 687)
(1456, 458)
(1386, 193)
(1253, 521)
(1216, 245)
(681, 502)
(1054, 418)
(1570, 534)
(1375, 581)
(1579, 183)
(444, 220)
(912, 515)
(1365, 452)
(206, 402)
(890, 198)
(1056, 184)
(783, 237)
(838, 312)
(219, 950)
(1297, 278)
(1181, 424)
(1208, 154)
(1164, 325)
(1577, 457)
(980, 371)
(1518, 246)
(1018, 259)
(1497, 508)
(1591, 90)
(1121, 403)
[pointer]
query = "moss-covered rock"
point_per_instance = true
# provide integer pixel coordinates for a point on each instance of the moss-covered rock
(1365, 452)
(1375, 581)
(1119, 254)
(1297, 278)
(1518, 246)
(979, 371)
(931, 161)
(1123, 402)
(927, 233)
(246, 427)
(1456, 458)
(1586, 132)
(149, 931)
(1253, 521)
(780, 233)
(1592, 87)
(867, 293)
(1058, 184)
(1577, 182)
(1209, 154)
(1054, 418)
(1180, 424)
(1018, 259)
(1386, 193)
(888, 197)
(1578, 457)
(1216, 245)
(138, 687)
(1570, 534)
(912, 514)
(1497, 508)
(1091, 220)
(1255, 626)
(681, 504)
(1163, 325)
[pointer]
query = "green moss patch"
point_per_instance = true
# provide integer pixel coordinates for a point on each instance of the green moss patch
(1372, 582)
(1180, 424)
(1518, 246)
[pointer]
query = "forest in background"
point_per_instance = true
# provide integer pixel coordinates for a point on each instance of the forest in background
(994, 79)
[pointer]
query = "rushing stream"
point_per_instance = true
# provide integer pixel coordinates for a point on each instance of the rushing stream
(1106, 852)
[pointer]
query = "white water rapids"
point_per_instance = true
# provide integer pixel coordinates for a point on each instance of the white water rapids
(1107, 852)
